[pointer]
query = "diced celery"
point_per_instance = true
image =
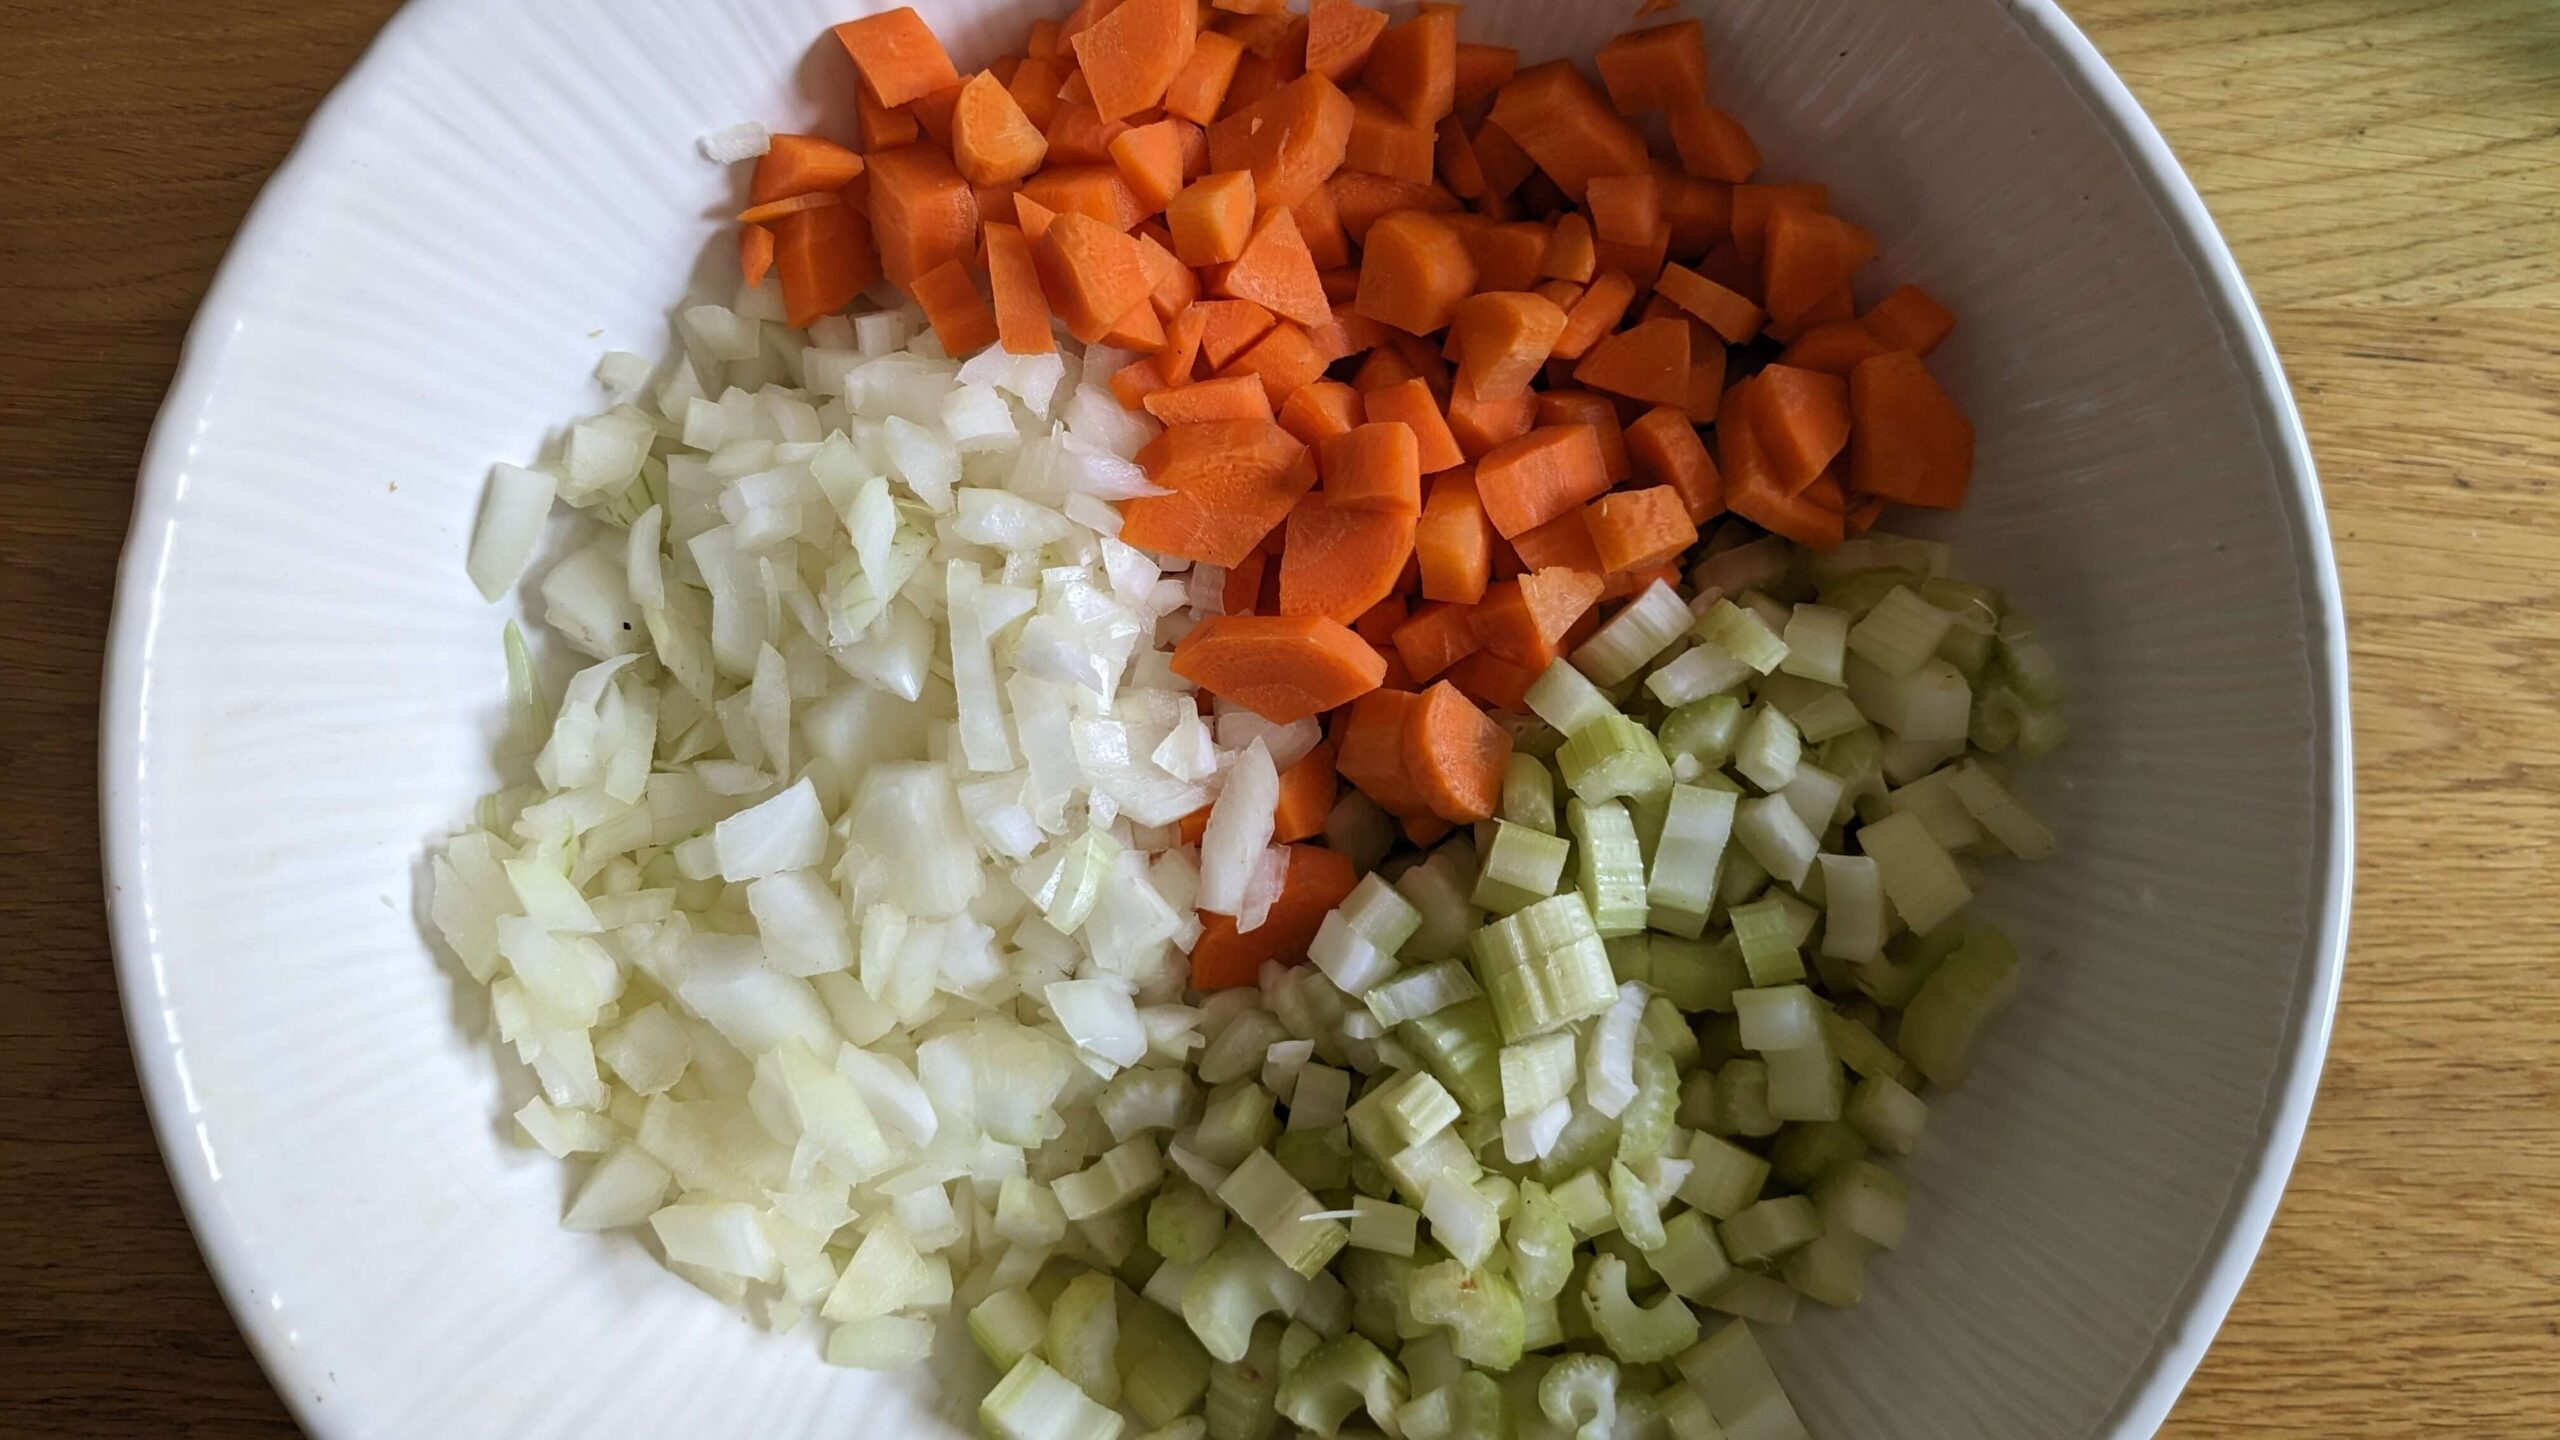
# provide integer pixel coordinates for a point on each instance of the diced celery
(1808, 1151)
(1027, 1214)
(1776, 838)
(1584, 1203)
(1383, 1225)
(1888, 1114)
(1437, 888)
(1680, 893)
(1690, 1259)
(1859, 1048)
(1941, 813)
(1540, 1241)
(1854, 922)
(1645, 1126)
(1635, 1334)
(1318, 1101)
(1816, 795)
(1317, 1159)
(1729, 1372)
(1931, 705)
(1521, 867)
(1900, 634)
(1426, 991)
(1756, 1298)
(1237, 1050)
(1139, 1100)
(1544, 967)
(1084, 1335)
(1769, 750)
(1462, 1046)
(1697, 975)
(1768, 1230)
(1767, 943)
(2012, 824)
(1238, 1284)
(1815, 637)
(2024, 664)
(1184, 1223)
(1275, 1206)
(1463, 1222)
(1742, 1099)
(1831, 1270)
(1418, 1106)
(1685, 1416)
(1580, 1393)
(1357, 943)
(1866, 1200)
(1034, 1402)
(1969, 643)
(1633, 1206)
(1124, 1174)
(1529, 793)
(1610, 757)
(1007, 1326)
(1236, 1120)
(1695, 674)
(1941, 1024)
(1610, 865)
(1344, 1374)
(1778, 1017)
(1588, 1139)
(1918, 875)
(1806, 1082)
(1564, 698)
(1242, 1389)
(1668, 1032)
(1742, 634)
(1536, 1073)
(1698, 1099)
(1482, 1309)
(1643, 629)
(1111, 1238)
(1163, 1371)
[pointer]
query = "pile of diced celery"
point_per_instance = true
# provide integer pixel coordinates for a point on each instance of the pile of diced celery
(1564, 1105)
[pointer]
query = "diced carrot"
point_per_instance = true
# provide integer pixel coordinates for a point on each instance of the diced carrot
(800, 165)
(1638, 529)
(1236, 398)
(1731, 316)
(1563, 123)
(1525, 483)
(1837, 308)
(1506, 166)
(1078, 135)
(1091, 273)
(1284, 668)
(1481, 426)
(1232, 481)
(1199, 88)
(1360, 200)
(1378, 623)
(1369, 750)
(1372, 467)
(1424, 356)
(1307, 790)
(1149, 158)
(1383, 142)
(1096, 191)
(1493, 682)
(1583, 407)
(1568, 255)
(1801, 420)
(1664, 448)
(1136, 328)
(825, 259)
(1192, 827)
(1132, 383)
(1806, 256)
(1436, 637)
(1482, 70)
(1320, 226)
(772, 210)
(1647, 362)
(1664, 68)
(1413, 272)
(1562, 543)
(1414, 66)
(1833, 349)
(897, 55)
(1339, 561)
(1453, 159)
(953, 306)
(1411, 403)
(1229, 329)
(1242, 588)
(1501, 339)
(1910, 442)
(1326, 407)
(1339, 36)
(1524, 620)
(933, 111)
(1626, 211)
(1454, 755)
(884, 127)
(1454, 541)
(1508, 254)
(1171, 286)
(1315, 881)
(1130, 56)
(1712, 144)
(1698, 212)
(1382, 369)
(1752, 206)
(1285, 357)
(1909, 319)
(1290, 139)
(755, 254)
(1034, 88)
(1212, 217)
(1754, 493)
(922, 211)
(1033, 216)
(1597, 313)
(1275, 272)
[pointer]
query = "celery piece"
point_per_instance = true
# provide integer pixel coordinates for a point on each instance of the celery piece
(1584, 1202)
(1633, 1206)
(1944, 1019)
(2010, 823)
(1631, 958)
(1667, 1030)
(1697, 824)
(1138, 1100)
(1241, 1390)
(1236, 1121)
(1425, 991)
(1859, 1048)
(1034, 1402)
(1413, 1168)
(1536, 1073)
(2022, 662)
(1775, 838)
(1565, 699)
(1521, 867)
(1418, 1106)
(1482, 1309)
(1580, 1393)
(1238, 1047)
(1027, 1214)
(1769, 750)
(1610, 866)
(1184, 1223)
(1470, 1405)
(1238, 1284)
(1463, 1222)
(1317, 1159)
(1816, 795)
(1610, 757)
(1112, 1239)
(1854, 920)
(1694, 675)
(1900, 634)
(1816, 637)
(1007, 1326)
(1125, 1172)
(1690, 1259)
(1430, 1363)
(1757, 1298)
(1768, 1230)
(1741, 633)
(1778, 1017)
(1529, 793)
(1163, 1371)
(1703, 730)
(1635, 1334)
(1696, 975)
(1856, 594)
(1762, 932)
(1831, 1270)
(1589, 1139)
(1437, 889)
(1865, 1200)
(1931, 706)
(1270, 1201)
(1941, 814)
(1356, 944)
(1644, 628)
(1540, 1240)
(1461, 1045)
(1698, 1099)
(1544, 967)
(2040, 731)
(1742, 1099)
(1084, 1335)
(1888, 1114)
(1383, 1225)
(1807, 1152)
(1645, 1126)
(1344, 1374)
(1685, 1416)
(1729, 1372)
(1296, 1343)
(1806, 1082)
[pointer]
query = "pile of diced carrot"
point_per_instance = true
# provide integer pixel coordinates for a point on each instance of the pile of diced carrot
(1447, 357)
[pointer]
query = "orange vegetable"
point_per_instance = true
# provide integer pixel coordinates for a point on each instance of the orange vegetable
(1034, 88)
(1339, 36)
(992, 140)
(1568, 254)
(1275, 272)
(1910, 441)
(1453, 159)
(1712, 144)
(1181, 353)
(1507, 254)
(922, 211)
(1414, 270)
(1801, 420)
(1410, 403)
(1033, 216)
(1480, 426)
(799, 165)
(933, 112)
(957, 312)
(1561, 122)
(1199, 89)
(1833, 349)
(1098, 192)
(1647, 362)
(1527, 482)
(755, 253)
(1383, 142)
(1171, 287)
(1316, 881)
(1731, 316)
(1506, 166)
(1241, 593)
(1369, 750)
(1285, 357)
(1583, 407)
(1664, 68)
(1483, 69)
(1639, 529)
(1454, 755)
(1284, 668)
(1229, 329)
(1698, 212)
(1752, 207)
(1136, 328)
(1338, 561)
(1604, 302)
(1091, 273)
(1806, 256)
(1078, 135)
(1501, 339)
(1909, 319)
(1326, 407)
(1149, 158)
(1320, 225)
(1524, 620)
(1563, 543)
(824, 257)
(1371, 467)
(1360, 200)
(1212, 217)
(1753, 491)
(1238, 397)
(1378, 623)
(883, 127)
(1493, 682)
(897, 55)
(1625, 209)
(1436, 637)
(1130, 56)
(1307, 790)
(1414, 66)
(1232, 481)
(1665, 450)
(1290, 139)
(1132, 383)
(1384, 368)
(773, 210)
(1836, 308)
(1453, 541)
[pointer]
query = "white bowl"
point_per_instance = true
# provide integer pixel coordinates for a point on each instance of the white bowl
(303, 690)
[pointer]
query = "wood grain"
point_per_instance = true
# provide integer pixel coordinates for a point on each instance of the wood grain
(2388, 172)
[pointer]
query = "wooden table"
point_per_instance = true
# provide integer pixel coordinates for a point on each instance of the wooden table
(2387, 170)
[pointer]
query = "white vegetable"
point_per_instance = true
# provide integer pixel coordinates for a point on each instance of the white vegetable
(512, 514)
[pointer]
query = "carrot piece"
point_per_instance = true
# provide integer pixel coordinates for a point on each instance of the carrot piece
(1369, 749)
(1502, 337)
(1285, 357)
(1910, 443)
(1454, 755)
(1307, 790)
(1192, 827)
(1838, 307)
(825, 259)
(1290, 139)
(1731, 316)
(1752, 489)
(1414, 67)
(1149, 159)
(1171, 287)
(1664, 68)
(1321, 409)
(1372, 467)
(1752, 207)
(1383, 369)
(1493, 682)
(1378, 623)
(1232, 481)
(1033, 216)
(1211, 218)
(1034, 88)
(1320, 228)
(1806, 256)
(1561, 122)
(1828, 490)
(1597, 313)
(1132, 383)
(1453, 541)
(1524, 620)
(1506, 166)
(1238, 397)
(1199, 88)
(1712, 144)
(933, 111)
(1413, 272)
(1410, 403)
(1315, 881)
(1091, 273)
(800, 165)
(1665, 450)
(1436, 637)
(953, 306)
(897, 55)
(883, 127)
(1229, 328)
(1130, 56)
(1383, 142)
(1453, 160)
(1096, 191)
(1078, 135)
(1275, 271)
(1639, 529)
(1582, 407)
(1338, 561)
(992, 141)
(1481, 70)
(1833, 349)
(1508, 254)
(755, 254)
(1340, 35)
(1527, 482)
(773, 210)
(1569, 254)
(1563, 543)
(1137, 328)
(1801, 420)
(1181, 353)
(1361, 200)
(922, 212)
(1648, 362)
(1481, 426)
(1909, 319)
(1424, 357)
(1242, 589)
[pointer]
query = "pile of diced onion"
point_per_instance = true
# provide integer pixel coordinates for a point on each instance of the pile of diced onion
(842, 916)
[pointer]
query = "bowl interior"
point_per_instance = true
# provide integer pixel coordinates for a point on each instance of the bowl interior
(305, 690)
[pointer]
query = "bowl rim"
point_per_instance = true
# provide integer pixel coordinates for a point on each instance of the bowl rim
(298, 1374)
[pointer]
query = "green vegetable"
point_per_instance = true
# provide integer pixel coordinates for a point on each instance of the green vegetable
(1770, 1229)
(1521, 868)
(1610, 864)
(1942, 1022)
(1581, 1393)
(1084, 1335)
(1034, 1402)
(1480, 1307)
(1635, 1334)
(1344, 1374)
